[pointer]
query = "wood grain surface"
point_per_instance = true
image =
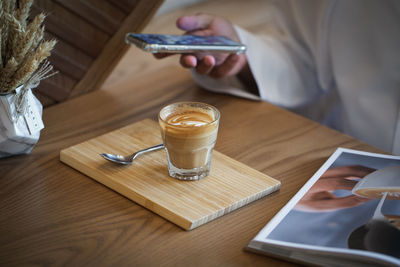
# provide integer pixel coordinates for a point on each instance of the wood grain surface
(53, 215)
(229, 186)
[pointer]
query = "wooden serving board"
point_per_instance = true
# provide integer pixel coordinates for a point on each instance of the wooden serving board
(188, 204)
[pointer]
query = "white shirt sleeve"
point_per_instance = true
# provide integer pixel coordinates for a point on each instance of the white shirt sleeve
(282, 75)
(228, 85)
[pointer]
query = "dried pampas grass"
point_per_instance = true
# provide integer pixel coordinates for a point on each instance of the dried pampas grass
(22, 47)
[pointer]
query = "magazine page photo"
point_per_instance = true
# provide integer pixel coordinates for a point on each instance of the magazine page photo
(352, 203)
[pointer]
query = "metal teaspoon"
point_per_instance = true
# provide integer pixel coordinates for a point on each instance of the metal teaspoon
(126, 160)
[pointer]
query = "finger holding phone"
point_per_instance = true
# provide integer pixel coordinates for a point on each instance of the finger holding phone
(217, 65)
(210, 45)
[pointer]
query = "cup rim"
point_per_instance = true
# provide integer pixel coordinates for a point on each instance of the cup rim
(217, 117)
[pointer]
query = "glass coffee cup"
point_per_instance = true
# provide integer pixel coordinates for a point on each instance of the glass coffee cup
(189, 132)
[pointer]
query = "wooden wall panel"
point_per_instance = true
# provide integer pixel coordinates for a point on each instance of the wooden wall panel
(45, 100)
(58, 87)
(116, 47)
(69, 60)
(126, 5)
(90, 36)
(72, 28)
(101, 14)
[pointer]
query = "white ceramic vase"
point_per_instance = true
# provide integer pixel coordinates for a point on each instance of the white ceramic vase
(19, 130)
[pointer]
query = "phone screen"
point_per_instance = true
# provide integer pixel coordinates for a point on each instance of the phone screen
(168, 43)
(184, 39)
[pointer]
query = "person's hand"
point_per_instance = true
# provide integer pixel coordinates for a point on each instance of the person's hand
(320, 196)
(217, 65)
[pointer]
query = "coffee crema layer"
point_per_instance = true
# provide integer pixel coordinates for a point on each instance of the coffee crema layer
(192, 118)
(189, 123)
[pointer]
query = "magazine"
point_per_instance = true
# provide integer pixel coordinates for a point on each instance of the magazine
(347, 214)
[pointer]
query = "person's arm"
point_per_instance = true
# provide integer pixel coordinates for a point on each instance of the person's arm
(281, 73)
(221, 72)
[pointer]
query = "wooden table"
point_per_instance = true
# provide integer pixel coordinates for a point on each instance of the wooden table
(54, 215)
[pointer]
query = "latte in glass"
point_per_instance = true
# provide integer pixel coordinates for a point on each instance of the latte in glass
(189, 132)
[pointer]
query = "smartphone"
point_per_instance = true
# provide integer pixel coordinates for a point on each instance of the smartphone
(165, 43)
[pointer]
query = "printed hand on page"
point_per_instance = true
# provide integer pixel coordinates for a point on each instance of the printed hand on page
(320, 197)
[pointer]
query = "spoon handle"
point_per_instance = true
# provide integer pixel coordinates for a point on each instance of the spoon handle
(152, 148)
